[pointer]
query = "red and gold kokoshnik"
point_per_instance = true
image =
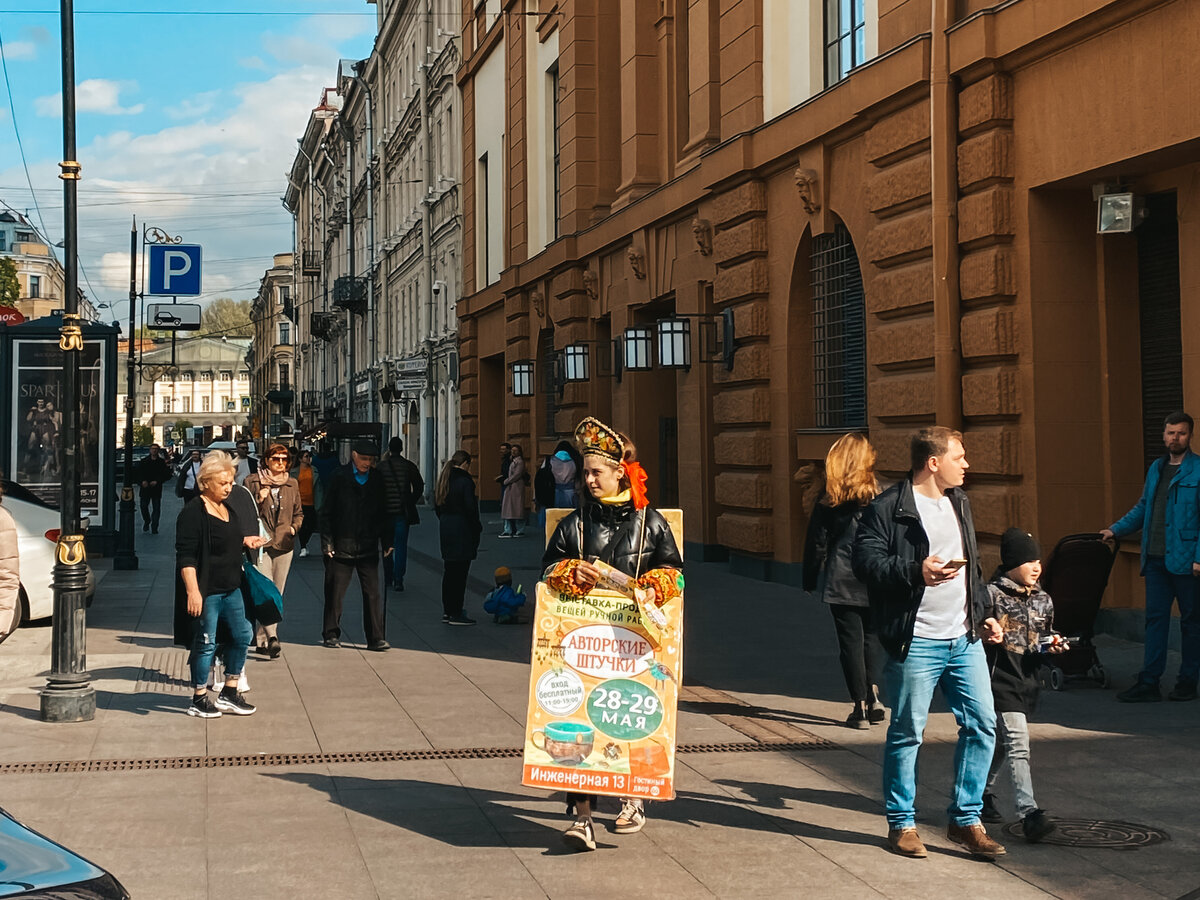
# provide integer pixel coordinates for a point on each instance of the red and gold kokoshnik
(597, 439)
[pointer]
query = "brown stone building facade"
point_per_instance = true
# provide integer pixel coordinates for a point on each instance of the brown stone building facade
(905, 233)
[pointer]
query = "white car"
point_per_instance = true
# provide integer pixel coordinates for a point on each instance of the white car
(37, 536)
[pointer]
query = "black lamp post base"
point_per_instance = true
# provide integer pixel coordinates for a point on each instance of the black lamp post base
(77, 704)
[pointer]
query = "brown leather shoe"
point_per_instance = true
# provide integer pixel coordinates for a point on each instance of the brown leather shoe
(974, 839)
(905, 842)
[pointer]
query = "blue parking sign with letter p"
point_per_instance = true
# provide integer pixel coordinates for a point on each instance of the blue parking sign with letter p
(175, 270)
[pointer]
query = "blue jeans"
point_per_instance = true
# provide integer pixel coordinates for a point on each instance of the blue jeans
(399, 548)
(1163, 588)
(232, 609)
(959, 668)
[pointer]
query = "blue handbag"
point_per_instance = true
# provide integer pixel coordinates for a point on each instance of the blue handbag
(265, 598)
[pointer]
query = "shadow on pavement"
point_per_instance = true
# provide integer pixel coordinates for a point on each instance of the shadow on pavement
(715, 708)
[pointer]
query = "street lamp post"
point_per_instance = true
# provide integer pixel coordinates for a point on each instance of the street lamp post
(126, 557)
(69, 695)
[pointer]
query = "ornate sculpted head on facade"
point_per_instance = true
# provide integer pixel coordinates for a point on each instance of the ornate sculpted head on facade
(538, 299)
(702, 231)
(806, 184)
(637, 261)
(591, 284)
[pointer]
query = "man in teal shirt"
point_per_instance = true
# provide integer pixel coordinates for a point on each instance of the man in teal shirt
(1168, 515)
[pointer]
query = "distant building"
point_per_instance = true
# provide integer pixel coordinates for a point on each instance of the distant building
(208, 385)
(272, 357)
(43, 283)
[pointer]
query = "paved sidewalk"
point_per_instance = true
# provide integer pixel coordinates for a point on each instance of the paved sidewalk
(769, 823)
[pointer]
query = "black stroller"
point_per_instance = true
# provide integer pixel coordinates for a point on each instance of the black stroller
(1075, 576)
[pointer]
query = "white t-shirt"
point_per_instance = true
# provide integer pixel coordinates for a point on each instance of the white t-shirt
(942, 615)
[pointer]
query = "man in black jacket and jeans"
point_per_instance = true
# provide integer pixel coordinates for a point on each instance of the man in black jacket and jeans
(915, 551)
(402, 485)
(354, 523)
(152, 473)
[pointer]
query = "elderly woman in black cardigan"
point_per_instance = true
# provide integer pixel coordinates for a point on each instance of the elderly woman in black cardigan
(209, 542)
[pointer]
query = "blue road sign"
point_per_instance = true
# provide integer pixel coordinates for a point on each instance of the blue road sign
(175, 270)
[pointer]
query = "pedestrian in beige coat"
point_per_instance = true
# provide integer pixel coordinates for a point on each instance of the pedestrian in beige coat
(280, 515)
(512, 503)
(10, 575)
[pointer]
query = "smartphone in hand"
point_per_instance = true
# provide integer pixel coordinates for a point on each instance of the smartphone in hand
(955, 564)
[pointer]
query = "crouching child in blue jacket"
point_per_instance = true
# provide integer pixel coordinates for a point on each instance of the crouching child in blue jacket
(502, 601)
(1026, 614)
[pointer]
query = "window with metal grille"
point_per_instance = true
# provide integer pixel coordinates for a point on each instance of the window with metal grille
(845, 38)
(548, 359)
(1158, 307)
(556, 204)
(839, 333)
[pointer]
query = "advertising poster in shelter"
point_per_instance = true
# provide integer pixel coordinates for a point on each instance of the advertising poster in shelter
(603, 693)
(37, 456)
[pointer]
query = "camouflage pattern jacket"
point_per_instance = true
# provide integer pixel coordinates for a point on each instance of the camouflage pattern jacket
(1026, 615)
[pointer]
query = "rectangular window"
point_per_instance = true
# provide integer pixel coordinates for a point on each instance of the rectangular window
(285, 333)
(24, 237)
(845, 38)
(187, 404)
(35, 286)
(3, 241)
(145, 404)
(1159, 314)
(206, 376)
(226, 376)
(285, 376)
(555, 147)
(186, 376)
(206, 404)
(166, 404)
(242, 376)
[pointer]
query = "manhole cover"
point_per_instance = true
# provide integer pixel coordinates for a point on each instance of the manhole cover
(1097, 833)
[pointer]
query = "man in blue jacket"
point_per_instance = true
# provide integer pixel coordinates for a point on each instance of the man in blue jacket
(915, 551)
(1168, 515)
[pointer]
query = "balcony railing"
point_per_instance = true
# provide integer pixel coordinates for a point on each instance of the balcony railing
(310, 262)
(350, 293)
(310, 400)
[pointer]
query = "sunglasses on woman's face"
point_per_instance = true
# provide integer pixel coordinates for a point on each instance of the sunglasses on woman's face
(279, 459)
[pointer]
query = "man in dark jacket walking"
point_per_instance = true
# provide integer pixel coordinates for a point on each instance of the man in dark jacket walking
(152, 472)
(915, 551)
(354, 524)
(402, 485)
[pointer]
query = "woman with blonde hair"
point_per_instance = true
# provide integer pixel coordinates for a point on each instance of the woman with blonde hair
(209, 541)
(850, 485)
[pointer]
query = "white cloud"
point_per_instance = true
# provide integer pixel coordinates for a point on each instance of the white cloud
(114, 271)
(95, 95)
(193, 107)
(253, 62)
(15, 51)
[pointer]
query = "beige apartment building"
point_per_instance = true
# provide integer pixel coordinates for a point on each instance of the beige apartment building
(40, 274)
(741, 228)
(271, 358)
(376, 195)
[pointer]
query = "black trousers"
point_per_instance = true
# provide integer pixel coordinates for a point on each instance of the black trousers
(337, 579)
(308, 526)
(454, 586)
(858, 649)
(148, 496)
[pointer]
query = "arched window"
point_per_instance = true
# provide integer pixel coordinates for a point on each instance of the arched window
(839, 333)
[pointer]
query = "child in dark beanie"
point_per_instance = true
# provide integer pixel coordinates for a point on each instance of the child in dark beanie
(1026, 614)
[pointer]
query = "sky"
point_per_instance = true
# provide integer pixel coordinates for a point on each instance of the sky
(188, 113)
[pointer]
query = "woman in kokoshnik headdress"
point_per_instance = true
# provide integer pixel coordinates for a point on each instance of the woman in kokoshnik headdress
(615, 524)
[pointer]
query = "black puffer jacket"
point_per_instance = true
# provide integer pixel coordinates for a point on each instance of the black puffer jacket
(889, 548)
(827, 549)
(459, 525)
(353, 521)
(613, 535)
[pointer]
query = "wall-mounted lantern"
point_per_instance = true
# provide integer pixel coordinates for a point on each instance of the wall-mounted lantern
(522, 378)
(575, 362)
(675, 343)
(637, 348)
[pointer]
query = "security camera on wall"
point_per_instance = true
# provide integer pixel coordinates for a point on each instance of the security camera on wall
(437, 287)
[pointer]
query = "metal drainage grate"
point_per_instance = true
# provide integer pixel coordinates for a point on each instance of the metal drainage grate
(258, 760)
(1097, 833)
